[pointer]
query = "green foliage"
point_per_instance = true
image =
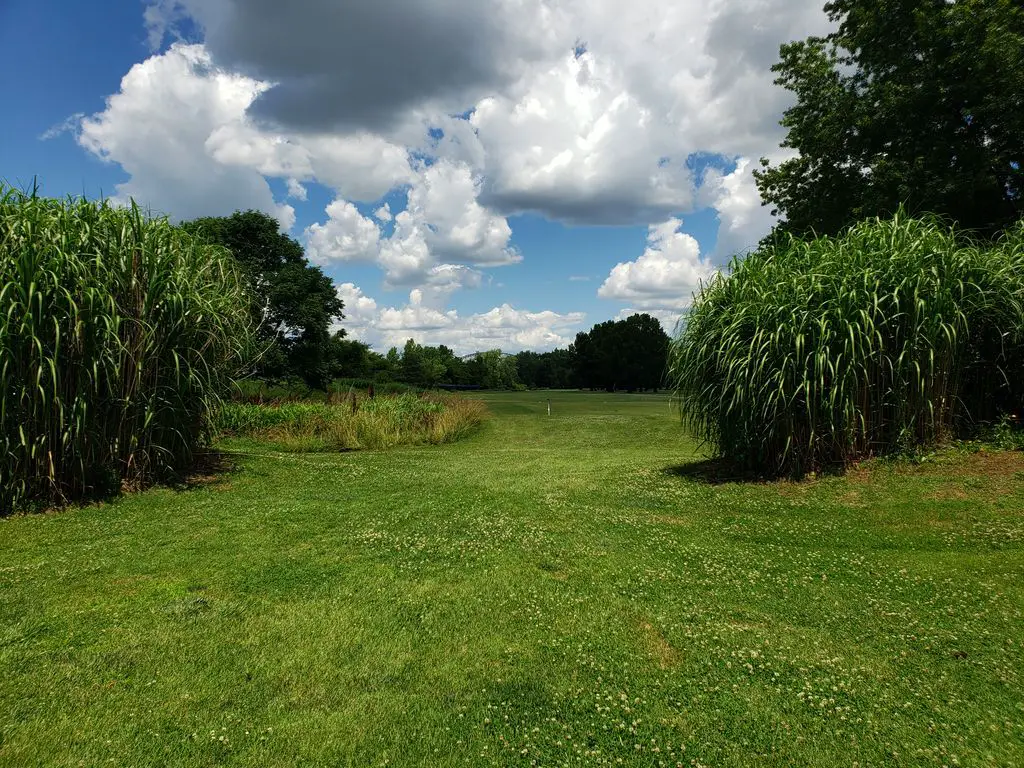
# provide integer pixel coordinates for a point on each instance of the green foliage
(818, 353)
(117, 334)
(625, 354)
(353, 359)
(296, 390)
(495, 370)
(1007, 434)
(628, 354)
(360, 422)
(546, 370)
(913, 102)
(295, 303)
(342, 387)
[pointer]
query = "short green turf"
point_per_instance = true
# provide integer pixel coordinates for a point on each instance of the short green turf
(550, 591)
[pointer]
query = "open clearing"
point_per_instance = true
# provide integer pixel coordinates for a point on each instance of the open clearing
(551, 591)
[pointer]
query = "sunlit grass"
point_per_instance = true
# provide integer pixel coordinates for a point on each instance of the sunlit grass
(559, 590)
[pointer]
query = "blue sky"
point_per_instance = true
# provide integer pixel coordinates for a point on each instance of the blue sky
(545, 165)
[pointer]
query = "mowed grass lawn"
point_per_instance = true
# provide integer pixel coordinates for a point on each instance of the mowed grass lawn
(551, 591)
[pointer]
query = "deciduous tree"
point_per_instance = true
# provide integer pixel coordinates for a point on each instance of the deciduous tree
(295, 302)
(914, 102)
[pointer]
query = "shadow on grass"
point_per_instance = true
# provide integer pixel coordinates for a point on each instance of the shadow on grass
(717, 472)
(211, 468)
(721, 471)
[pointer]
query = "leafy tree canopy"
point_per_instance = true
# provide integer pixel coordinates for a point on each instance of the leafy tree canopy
(621, 354)
(919, 102)
(295, 302)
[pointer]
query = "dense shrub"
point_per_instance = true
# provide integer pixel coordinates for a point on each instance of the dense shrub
(896, 334)
(293, 391)
(117, 333)
(380, 422)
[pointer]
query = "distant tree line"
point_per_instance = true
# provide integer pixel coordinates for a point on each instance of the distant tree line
(628, 354)
(419, 365)
(295, 306)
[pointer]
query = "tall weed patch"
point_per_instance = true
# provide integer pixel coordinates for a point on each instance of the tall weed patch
(118, 333)
(894, 335)
(371, 423)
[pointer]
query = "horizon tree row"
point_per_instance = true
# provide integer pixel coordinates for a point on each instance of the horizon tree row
(295, 306)
(628, 354)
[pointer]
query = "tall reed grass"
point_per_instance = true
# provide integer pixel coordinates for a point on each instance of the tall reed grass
(377, 423)
(117, 335)
(808, 354)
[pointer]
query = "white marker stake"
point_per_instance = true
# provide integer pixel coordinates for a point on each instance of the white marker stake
(549, 406)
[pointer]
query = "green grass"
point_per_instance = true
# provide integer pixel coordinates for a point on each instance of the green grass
(551, 591)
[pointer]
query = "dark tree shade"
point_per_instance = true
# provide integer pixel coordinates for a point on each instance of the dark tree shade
(546, 370)
(919, 102)
(296, 303)
(621, 354)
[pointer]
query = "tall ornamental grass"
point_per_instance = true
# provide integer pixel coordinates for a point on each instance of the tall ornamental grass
(117, 335)
(813, 354)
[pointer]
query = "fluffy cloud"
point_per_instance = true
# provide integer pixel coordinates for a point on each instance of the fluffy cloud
(142, 129)
(503, 327)
(665, 276)
(743, 220)
(455, 226)
(359, 308)
(605, 134)
(346, 236)
(296, 190)
(360, 166)
(444, 280)
(178, 127)
(579, 146)
(442, 228)
(583, 111)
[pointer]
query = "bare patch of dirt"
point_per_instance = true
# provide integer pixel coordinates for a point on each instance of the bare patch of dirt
(951, 476)
(981, 476)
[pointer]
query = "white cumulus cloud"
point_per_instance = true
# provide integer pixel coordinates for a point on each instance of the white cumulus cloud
(142, 129)
(581, 111)
(576, 144)
(503, 327)
(347, 235)
(665, 276)
(455, 226)
(442, 230)
(179, 127)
